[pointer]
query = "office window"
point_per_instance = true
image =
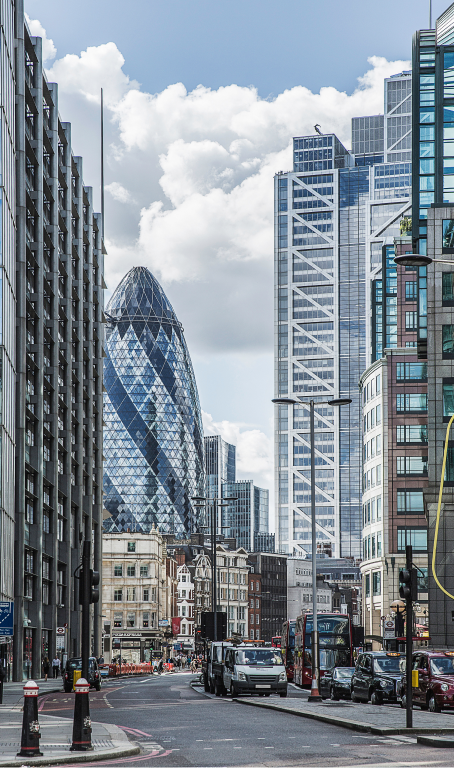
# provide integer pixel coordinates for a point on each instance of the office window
(448, 399)
(379, 508)
(448, 341)
(411, 465)
(146, 619)
(131, 619)
(449, 472)
(410, 502)
(411, 372)
(376, 583)
(118, 570)
(411, 434)
(252, 634)
(378, 413)
(379, 544)
(146, 594)
(130, 594)
(411, 321)
(118, 595)
(411, 402)
(144, 572)
(448, 288)
(131, 571)
(367, 585)
(448, 233)
(131, 547)
(423, 579)
(416, 537)
(411, 290)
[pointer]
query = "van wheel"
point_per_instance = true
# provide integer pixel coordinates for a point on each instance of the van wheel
(233, 691)
(434, 707)
(206, 685)
(218, 688)
(211, 686)
(354, 697)
(332, 695)
(282, 694)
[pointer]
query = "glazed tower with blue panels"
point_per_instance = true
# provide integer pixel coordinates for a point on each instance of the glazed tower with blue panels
(153, 439)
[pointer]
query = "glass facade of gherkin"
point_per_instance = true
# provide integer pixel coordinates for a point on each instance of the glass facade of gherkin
(153, 439)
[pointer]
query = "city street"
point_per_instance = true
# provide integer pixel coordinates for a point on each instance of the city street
(177, 726)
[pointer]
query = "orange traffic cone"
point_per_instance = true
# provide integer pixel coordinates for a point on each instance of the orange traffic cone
(315, 694)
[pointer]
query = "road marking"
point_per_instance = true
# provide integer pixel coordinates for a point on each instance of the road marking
(335, 744)
(200, 740)
(269, 747)
(208, 748)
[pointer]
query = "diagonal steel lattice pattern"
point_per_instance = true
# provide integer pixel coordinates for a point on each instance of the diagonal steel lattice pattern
(153, 439)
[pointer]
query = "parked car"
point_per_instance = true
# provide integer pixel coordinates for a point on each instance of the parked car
(376, 677)
(435, 689)
(75, 663)
(254, 670)
(336, 683)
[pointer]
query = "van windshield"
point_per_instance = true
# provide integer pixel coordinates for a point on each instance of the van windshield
(258, 657)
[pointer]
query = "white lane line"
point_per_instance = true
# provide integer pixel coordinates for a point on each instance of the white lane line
(208, 748)
(269, 747)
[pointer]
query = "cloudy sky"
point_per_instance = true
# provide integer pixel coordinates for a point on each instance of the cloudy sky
(201, 103)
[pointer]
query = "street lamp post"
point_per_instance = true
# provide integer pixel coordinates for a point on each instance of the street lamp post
(315, 657)
(213, 503)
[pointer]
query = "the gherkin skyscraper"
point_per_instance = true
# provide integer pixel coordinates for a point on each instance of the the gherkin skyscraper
(153, 439)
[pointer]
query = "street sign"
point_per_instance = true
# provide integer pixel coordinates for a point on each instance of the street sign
(6, 617)
(164, 623)
(389, 628)
(60, 631)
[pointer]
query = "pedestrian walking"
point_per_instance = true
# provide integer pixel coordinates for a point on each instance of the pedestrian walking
(55, 667)
(101, 660)
(46, 668)
(160, 665)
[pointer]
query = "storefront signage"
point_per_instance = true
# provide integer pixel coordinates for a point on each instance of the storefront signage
(164, 623)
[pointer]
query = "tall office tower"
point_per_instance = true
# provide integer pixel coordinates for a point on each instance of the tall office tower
(220, 467)
(7, 338)
(153, 440)
(433, 225)
(248, 515)
(334, 212)
(58, 397)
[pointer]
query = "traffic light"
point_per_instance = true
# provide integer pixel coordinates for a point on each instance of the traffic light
(409, 584)
(92, 587)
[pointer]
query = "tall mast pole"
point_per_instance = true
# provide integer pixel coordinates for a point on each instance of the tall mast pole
(102, 164)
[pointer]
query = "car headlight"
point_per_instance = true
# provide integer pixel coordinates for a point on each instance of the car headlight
(383, 683)
(444, 687)
(283, 676)
(241, 677)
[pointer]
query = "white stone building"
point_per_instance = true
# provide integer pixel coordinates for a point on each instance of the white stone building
(232, 588)
(185, 607)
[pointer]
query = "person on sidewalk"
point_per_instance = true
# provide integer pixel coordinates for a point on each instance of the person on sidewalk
(2, 679)
(55, 667)
(46, 668)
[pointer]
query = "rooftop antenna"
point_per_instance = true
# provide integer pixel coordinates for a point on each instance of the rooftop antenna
(317, 128)
(102, 164)
(430, 14)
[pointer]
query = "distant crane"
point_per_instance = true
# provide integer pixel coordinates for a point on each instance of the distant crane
(317, 128)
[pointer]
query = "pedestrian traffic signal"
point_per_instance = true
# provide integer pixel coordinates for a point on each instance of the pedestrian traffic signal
(409, 584)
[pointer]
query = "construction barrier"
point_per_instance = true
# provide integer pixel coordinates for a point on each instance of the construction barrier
(131, 669)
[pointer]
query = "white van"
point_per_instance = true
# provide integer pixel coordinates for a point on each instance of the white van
(254, 670)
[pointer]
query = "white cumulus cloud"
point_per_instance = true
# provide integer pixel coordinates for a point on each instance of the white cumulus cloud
(119, 192)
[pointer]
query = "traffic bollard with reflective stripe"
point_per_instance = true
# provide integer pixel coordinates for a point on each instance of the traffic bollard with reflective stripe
(29, 745)
(82, 721)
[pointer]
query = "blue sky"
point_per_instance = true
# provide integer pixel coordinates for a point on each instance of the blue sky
(201, 102)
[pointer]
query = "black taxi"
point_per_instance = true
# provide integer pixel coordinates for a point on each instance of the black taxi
(377, 677)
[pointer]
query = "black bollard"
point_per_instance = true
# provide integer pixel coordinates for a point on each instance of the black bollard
(82, 721)
(30, 727)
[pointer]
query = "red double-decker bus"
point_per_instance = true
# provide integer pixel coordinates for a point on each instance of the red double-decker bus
(288, 646)
(335, 640)
(276, 641)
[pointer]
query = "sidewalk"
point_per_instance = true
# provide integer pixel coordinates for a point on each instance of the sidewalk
(13, 691)
(109, 741)
(383, 719)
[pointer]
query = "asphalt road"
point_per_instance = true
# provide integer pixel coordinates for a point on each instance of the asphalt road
(178, 727)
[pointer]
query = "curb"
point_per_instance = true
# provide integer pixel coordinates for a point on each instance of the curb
(356, 726)
(74, 758)
(436, 742)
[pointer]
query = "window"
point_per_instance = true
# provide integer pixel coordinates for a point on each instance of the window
(46, 521)
(183, 577)
(118, 570)
(378, 413)
(416, 537)
(131, 572)
(376, 583)
(448, 341)
(146, 619)
(183, 611)
(257, 603)
(144, 571)
(251, 619)
(411, 372)
(60, 529)
(448, 399)
(367, 585)
(146, 594)
(257, 586)
(118, 619)
(448, 234)
(131, 547)
(411, 321)
(29, 511)
(252, 634)
(118, 595)
(378, 383)
(130, 594)
(411, 465)
(423, 579)
(257, 618)
(411, 402)
(449, 473)
(410, 502)
(411, 434)
(252, 603)
(448, 288)
(131, 619)
(379, 547)
(411, 290)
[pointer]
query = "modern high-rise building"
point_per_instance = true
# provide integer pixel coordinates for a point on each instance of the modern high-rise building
(153, 440)
(334, 212)
(220, 464)
(52, 294)
(247, 515)
(432, 228)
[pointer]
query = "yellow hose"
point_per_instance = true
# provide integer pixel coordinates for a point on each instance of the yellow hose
(437, 524)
